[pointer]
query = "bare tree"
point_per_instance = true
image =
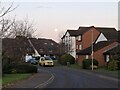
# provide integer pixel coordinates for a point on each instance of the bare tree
(5, 24)
(4, 11)
(6, 27)
(23, 28)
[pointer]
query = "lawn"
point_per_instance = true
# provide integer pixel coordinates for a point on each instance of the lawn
(11, 78)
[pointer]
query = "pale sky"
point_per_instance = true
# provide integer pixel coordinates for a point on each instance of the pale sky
(53, 18)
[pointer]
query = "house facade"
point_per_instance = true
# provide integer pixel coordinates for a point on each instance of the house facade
(102, 39)
(69, 41)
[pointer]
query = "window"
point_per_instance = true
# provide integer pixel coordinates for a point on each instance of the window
(77, 46)
(79, 37)
(50, 50)
(87, 57)
(41, 50)
(52, 44)
(80, 47)
(45, 43)
(107, 58)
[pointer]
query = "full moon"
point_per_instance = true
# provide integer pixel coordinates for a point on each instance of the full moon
(55, 29)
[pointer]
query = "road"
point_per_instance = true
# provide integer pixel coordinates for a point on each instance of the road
(65, 77)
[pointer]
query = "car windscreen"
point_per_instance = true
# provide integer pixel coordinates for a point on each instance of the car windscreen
(48, 58)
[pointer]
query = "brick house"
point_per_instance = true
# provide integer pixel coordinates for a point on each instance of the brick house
(85, 36)
(18, 47)
(114, 50)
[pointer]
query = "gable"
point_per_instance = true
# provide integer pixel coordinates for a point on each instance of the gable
(101, 38)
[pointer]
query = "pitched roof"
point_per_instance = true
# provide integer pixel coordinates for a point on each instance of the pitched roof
(114, 50)
(96, 47)
(45, 46)
(81, 30)
(16, 46)
(109, 33)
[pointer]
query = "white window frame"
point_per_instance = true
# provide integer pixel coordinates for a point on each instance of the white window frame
(107, 58)
(80, 47)
(87, 57)
(77, 46)
(79, 37)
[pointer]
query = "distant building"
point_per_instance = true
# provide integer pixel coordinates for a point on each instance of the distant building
(16, 48)
(45, 47)
(19, 47)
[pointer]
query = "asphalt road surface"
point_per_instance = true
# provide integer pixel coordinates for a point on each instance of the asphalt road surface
(65, 77)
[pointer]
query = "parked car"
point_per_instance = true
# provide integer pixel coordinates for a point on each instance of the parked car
(28, 58)
(53, 57)
(34, 61)
(46, 61)
(36, 57)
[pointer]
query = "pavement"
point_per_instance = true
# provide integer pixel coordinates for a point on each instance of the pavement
(39, 80)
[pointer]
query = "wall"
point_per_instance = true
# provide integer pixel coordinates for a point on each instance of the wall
(87, 39)
(73, 47)
(98, 55)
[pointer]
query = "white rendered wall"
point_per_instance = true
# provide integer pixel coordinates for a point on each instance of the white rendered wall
(101, 38)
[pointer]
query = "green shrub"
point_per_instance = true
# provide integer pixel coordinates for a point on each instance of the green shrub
(26, 68)
(67, 58)
(87, 62)
(113, 65)
(21, 68)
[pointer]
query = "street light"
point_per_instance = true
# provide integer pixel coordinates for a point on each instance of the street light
(92, 48)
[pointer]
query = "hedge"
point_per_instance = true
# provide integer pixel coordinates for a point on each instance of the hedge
(67, 58)
(20, 68)
(87, 62)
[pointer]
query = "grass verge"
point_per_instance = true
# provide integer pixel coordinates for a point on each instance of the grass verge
(56, 63)
(101, 70)
(106, 71)
(76, 66)
(11, 78)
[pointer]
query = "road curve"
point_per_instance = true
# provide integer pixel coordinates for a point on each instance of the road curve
(65, 77)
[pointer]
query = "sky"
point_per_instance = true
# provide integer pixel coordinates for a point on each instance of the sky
(53, 18)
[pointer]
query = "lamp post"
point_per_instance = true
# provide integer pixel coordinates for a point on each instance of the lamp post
(92, 48)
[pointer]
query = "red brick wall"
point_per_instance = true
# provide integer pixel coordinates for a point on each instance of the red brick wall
(86, 38)
(98, 55)
(80, 59)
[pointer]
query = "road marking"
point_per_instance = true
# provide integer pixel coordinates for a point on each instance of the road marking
(47, 82)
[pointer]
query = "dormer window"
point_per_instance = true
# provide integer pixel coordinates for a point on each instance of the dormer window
(52, 44)
(50, 51)
(45, 43)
